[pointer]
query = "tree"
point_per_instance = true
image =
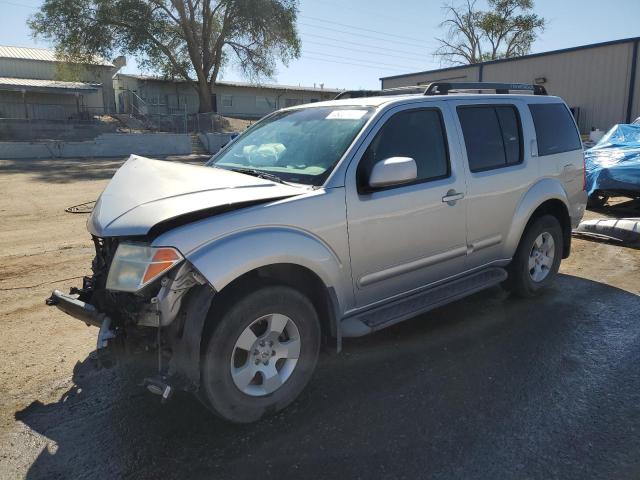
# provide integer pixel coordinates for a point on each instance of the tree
(506, 30)
(188, 39)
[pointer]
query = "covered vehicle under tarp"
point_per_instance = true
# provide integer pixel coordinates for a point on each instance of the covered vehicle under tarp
(613, 164)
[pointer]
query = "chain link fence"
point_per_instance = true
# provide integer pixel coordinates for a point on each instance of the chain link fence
(27, 121)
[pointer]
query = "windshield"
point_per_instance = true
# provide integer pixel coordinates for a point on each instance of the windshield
(299, 146)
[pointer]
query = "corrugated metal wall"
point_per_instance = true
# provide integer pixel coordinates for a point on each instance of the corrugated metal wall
(595, 80)
(468, 74)
(38, 69)
(635, 107)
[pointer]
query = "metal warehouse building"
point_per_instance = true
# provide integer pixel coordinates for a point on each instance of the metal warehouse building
(32, 85)
(598, 81)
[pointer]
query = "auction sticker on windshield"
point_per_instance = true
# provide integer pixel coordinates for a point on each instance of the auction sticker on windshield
(346, 115)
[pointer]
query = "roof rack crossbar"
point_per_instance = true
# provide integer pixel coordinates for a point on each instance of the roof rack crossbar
(443, 88)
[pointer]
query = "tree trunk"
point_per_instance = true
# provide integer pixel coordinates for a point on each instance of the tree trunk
(204, 94)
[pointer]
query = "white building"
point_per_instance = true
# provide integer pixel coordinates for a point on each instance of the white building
(156, 95)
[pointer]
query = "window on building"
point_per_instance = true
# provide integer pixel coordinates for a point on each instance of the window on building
(265, 103)
(227, 100)
(555, 129)
(292, 102)
(418, 134)
(491, 135)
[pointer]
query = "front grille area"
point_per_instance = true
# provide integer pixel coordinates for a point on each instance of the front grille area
(121, 307)
(105, 251)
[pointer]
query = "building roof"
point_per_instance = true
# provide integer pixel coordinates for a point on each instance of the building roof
(50, 86)
(524, 57)
(278, 87)
(224, 83)
(40, 54)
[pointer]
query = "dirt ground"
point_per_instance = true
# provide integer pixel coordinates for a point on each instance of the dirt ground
(43, 248)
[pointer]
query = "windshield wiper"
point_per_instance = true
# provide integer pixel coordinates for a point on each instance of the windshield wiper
(260, 174)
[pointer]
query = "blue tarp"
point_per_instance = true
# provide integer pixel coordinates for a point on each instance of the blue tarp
(614, 162)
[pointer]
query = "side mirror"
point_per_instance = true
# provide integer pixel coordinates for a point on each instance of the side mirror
(393, 171)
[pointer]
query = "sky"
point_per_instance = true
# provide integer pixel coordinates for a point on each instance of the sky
(352, 43)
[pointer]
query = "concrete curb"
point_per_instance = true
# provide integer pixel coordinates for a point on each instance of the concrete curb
(624, 230)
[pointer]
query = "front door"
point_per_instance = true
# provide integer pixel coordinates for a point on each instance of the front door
(407, 236)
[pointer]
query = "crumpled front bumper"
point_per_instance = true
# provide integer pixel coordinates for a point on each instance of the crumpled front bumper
(85, 312)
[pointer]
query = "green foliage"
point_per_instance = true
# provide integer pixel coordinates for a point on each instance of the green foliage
(189, 39)
(507, 29)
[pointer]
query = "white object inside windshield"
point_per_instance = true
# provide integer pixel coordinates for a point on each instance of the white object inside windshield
(346, 115)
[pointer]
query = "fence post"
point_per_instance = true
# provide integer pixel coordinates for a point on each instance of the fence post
(185, 118)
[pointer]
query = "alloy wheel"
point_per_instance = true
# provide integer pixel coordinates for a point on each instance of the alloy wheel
(541, 257)
(265, 355)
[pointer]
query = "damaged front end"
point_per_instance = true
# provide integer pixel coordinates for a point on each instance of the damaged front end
(145, 301)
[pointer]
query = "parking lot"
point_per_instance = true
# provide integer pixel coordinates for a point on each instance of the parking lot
(488, 387)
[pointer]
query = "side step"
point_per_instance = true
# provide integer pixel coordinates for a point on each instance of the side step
(407, 307)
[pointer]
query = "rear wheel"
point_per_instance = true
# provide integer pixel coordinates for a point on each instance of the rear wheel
(261, 354)
(537, 259)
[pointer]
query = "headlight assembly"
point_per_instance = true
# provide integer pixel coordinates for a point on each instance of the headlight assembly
(134, 266)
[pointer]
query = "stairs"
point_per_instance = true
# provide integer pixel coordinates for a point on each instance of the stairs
(196, 146)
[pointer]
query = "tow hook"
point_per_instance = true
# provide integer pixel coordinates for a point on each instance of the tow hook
(158, 386)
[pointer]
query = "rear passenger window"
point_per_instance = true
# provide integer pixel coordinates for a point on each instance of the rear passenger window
(491, 135)
(418, 134)
(555, 129)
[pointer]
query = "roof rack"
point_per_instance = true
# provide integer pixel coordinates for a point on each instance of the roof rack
(443, 88)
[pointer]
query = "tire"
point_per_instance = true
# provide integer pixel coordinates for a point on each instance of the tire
(232, 354)
(524, 281)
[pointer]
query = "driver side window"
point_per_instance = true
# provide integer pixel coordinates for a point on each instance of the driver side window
(418, 134)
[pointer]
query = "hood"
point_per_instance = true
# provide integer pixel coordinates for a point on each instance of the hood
(145, 193)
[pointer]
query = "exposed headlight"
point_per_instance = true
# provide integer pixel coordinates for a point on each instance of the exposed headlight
(135, 266)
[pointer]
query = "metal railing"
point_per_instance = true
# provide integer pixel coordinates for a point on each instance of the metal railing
(165, 117)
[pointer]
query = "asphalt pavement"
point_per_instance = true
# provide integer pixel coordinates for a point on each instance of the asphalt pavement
(489, 387)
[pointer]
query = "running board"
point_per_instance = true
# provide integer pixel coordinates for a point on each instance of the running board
(407, 307)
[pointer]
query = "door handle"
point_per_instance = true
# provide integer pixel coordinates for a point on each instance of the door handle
(452, 197)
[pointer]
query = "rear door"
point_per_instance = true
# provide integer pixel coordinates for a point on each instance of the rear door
(404, 237)
(498, 171)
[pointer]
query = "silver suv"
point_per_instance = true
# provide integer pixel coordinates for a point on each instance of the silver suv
(326, 221)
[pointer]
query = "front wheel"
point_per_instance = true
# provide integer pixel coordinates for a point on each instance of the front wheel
(261, 354)
(537, 259)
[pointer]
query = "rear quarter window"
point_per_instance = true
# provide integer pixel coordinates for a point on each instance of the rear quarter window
(491, 135)
(555, 130)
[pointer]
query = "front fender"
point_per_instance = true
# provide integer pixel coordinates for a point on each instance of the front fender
(233, 255)
(540, 192)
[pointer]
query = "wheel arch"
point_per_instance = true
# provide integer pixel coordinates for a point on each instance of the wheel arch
(292, 275)
(546, 197)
